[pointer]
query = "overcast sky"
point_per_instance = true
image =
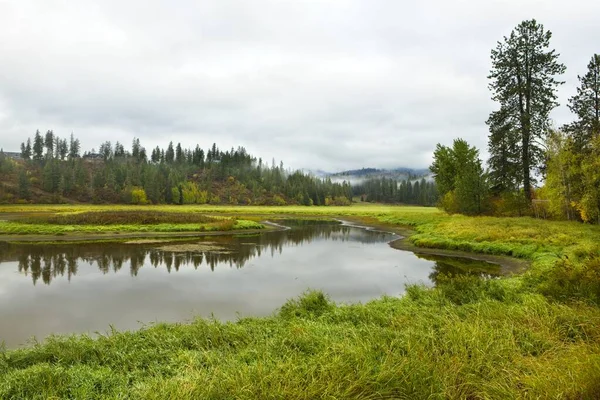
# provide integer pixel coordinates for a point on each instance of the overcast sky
(320, 84)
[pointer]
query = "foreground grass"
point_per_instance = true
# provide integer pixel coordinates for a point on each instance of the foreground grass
(493, 342)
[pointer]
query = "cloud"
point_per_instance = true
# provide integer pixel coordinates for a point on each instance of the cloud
(323, 85)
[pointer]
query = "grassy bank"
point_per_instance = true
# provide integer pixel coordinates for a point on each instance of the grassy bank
(536, 335)
(92, 221)
(487, 342)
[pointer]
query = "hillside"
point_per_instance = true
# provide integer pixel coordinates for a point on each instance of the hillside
(52, 171)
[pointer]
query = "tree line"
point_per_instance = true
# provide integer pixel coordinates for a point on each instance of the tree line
(54, 170)
(533, 166)
(387, 190)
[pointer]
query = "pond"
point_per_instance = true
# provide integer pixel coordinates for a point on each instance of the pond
(86, 288)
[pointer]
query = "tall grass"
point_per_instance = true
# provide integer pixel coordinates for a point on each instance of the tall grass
(17, 228)
(425, 345)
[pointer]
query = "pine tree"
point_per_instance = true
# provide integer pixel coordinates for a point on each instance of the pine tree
(24, 192)
(74, 147)
(38, 147)
(155, 156)
(523, 82)
(586, 106)
(179, 154)
(26, 150)
(49, 143)
(170, 154)
(504, 160)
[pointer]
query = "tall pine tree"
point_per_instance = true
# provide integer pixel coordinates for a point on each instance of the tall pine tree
(586, 106)
(523, 81)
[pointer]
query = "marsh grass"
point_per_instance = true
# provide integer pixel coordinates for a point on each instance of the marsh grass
(135, 220)
(425, 345)
(133, 217)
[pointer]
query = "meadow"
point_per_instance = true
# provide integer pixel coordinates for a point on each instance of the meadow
(533, 335)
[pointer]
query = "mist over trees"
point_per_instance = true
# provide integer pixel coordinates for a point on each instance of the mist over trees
(419, 192)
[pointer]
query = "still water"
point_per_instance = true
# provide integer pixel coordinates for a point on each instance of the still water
(86, 288)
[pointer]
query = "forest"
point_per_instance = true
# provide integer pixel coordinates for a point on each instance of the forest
(53, 170)
(50, 169)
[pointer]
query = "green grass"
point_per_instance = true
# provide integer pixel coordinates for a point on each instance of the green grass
(91, 220)
(536, 335)
(495, 343)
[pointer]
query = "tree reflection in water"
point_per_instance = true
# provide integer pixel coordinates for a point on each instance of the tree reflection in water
(56, 260)
(452, 266)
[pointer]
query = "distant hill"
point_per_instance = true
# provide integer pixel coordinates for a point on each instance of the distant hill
(356, 176)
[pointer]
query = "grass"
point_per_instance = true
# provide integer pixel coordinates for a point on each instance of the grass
(492, 343)
(83, 220)
(141, 217)
(536, 335)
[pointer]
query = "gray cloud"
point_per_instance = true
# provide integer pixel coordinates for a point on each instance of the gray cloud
(322, 85)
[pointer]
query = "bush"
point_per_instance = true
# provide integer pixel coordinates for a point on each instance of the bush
(138, 196)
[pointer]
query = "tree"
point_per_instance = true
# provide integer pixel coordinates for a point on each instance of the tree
(504, 160)
(119, 150)
(136, 148)
(26, 150)
(63, 149)
(586, 106)
(24, 192)
(179, 154)
(49, 143)
(460, 178)
(74, 147)
(523, 82)
(170, 154)
(38, 147)
(106, 150)
(563, 167)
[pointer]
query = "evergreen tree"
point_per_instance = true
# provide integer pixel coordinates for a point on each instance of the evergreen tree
(49, 143)
(503, 145)
(523, 82)
(179, 154)
(135, 148)
(119, 150)
(38, 147)
(106, 150)
(24, 192)
(586, 106)
(74, 147)
(155, 156)
(170, 154)
(63, 149)
(26, 150)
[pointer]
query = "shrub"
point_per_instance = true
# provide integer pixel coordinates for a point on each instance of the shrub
(138, 196)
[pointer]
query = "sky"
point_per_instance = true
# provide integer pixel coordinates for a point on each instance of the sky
(317, 84)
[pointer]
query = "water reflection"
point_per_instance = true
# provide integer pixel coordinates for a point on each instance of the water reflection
(453, 266)
(48, 262)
